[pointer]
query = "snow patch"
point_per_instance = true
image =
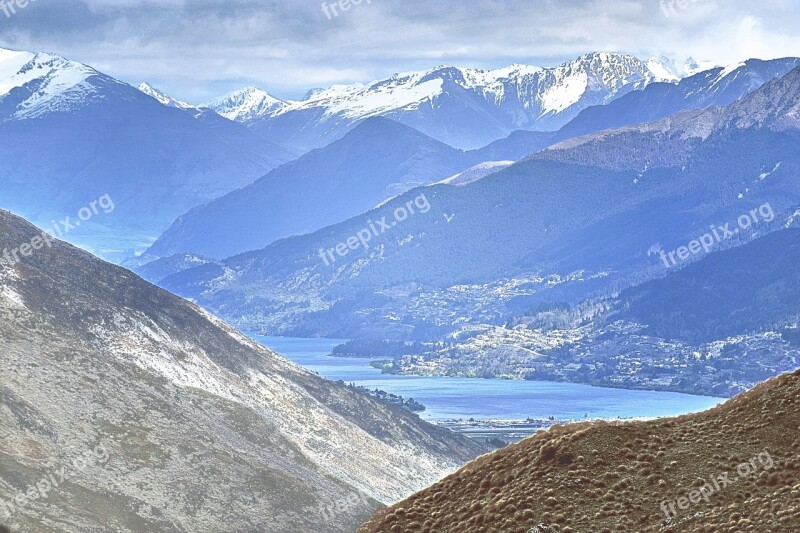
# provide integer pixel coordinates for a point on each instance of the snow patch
(475, 173)
(13, 296)
(168, 101)
(765, 175)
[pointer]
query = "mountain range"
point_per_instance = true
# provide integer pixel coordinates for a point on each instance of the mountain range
(73, 134)
(258, 215)
(202, 428)
(465, 108)
(162, 157)
(681, 174)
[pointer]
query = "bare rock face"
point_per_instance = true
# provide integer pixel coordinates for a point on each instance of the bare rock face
(125, 408)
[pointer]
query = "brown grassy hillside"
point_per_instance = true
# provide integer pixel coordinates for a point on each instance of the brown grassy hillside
(601, 477)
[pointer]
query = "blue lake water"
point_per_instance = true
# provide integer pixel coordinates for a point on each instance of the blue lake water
(453, 398)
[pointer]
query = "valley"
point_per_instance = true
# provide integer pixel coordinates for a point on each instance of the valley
(416, 267)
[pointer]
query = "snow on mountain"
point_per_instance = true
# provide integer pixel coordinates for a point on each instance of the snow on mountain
(37, 84)
(476, 173)
(674, 70)
(463, 107)
(556, 89)
(710, 88)
(168, 101)
(246, 104)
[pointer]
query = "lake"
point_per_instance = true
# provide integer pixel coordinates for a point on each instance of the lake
(453, 398)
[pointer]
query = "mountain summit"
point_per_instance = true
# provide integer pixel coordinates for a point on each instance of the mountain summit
(246, 105)
(35, 84)
(71, 133)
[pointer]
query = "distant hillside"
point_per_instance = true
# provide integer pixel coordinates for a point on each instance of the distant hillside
(732, 469)
(750, 288)
(379, 159)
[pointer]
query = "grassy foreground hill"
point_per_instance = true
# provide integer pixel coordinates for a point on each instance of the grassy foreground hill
(734, 468)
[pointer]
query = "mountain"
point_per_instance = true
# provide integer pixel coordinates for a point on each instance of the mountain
(73, 134)
(163, 98)
(715, 87)
(465, 108)
(751, 288)
(245, 105)
(774, 107)
(166, 419)
(649, 187)
(379, 159)
(733, 468)
(155, 270)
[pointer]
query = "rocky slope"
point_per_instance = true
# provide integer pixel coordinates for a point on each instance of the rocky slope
(201, 428)
(735, 468)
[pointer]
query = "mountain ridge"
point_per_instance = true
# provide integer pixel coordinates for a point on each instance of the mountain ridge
(499, 101)
(637, 476)
(185, 405)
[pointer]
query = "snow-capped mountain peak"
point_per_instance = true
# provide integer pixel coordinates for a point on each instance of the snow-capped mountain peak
(168, 101)
(55, 83)
(246, 104)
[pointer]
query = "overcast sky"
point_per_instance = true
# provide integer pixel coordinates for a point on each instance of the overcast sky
(196, 49)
